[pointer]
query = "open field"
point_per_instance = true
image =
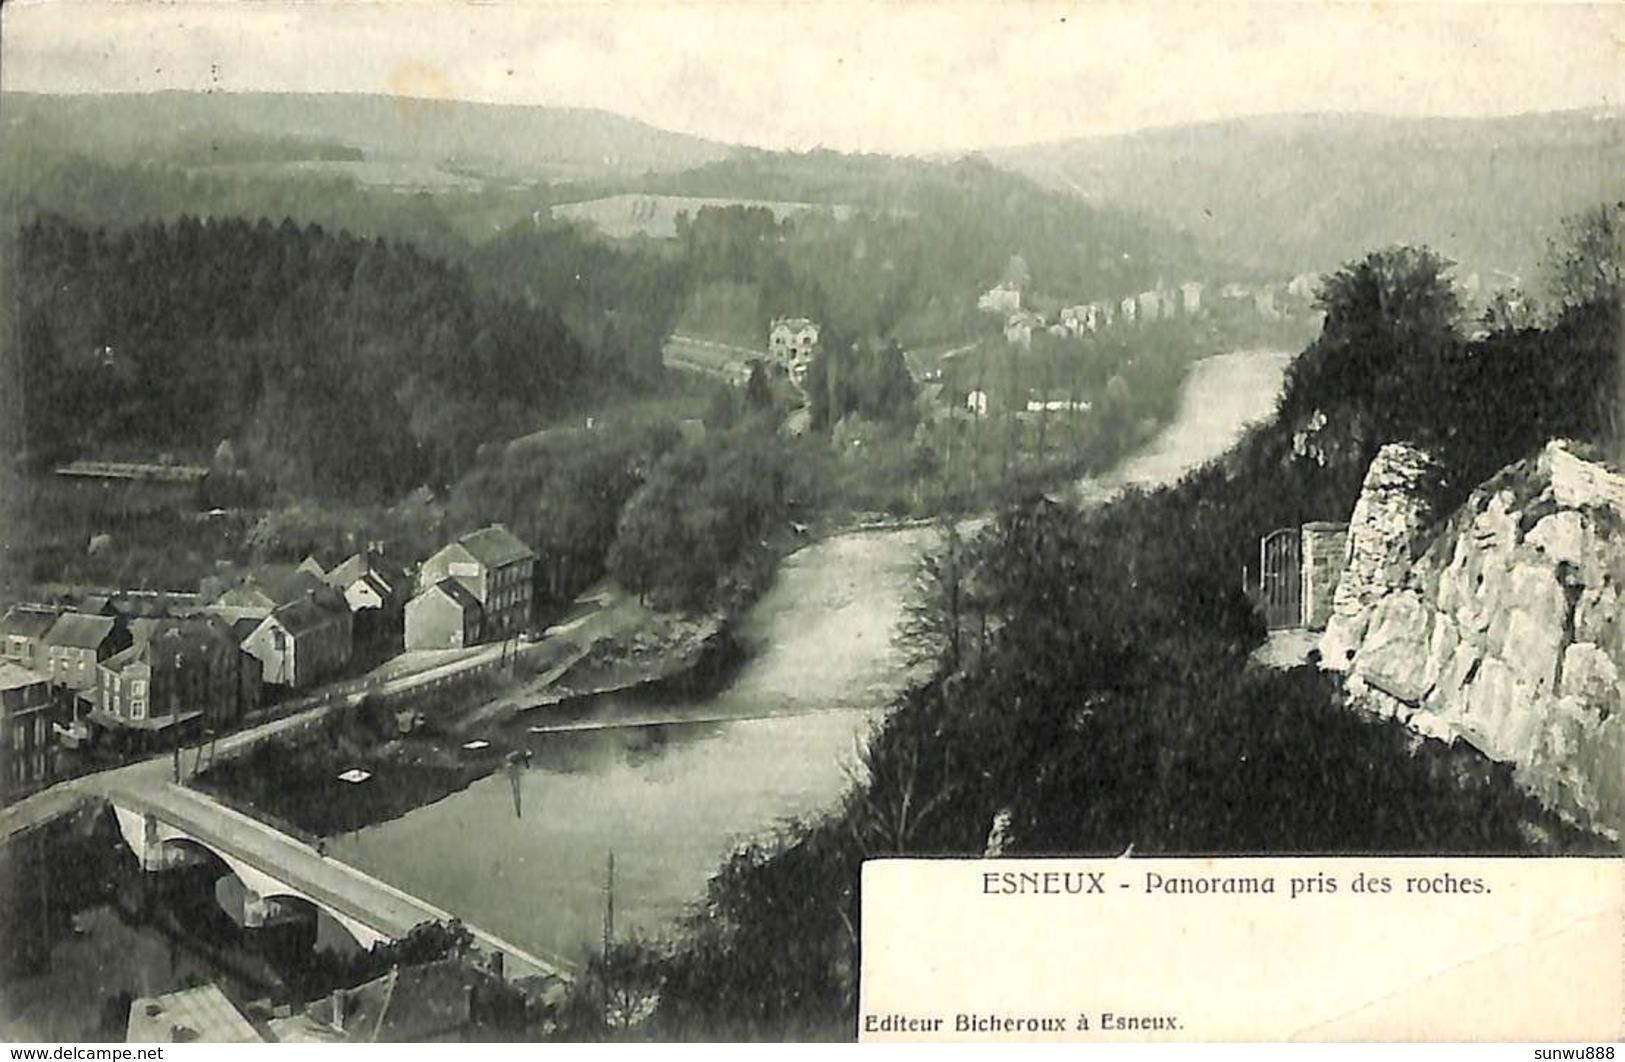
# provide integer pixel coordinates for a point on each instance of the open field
(624, 216)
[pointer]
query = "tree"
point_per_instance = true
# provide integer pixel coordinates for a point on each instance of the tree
(1583, 264)
(1387, 344)
(936, 618)
(758, 389)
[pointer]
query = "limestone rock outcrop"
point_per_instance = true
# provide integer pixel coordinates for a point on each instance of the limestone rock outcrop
(1506, 631)
(1385, 536)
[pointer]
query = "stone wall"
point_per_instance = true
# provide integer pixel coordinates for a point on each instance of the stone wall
(1385, 536)
(1507, 633)
(1325, 550)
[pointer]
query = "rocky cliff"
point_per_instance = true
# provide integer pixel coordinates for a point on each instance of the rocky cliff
(1502, 627)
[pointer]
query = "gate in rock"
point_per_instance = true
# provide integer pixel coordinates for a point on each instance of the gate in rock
(1280, 581)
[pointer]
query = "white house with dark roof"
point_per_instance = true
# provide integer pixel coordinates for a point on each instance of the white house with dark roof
(302, 642)
(496, 569)
(370, 583)
(443, 616)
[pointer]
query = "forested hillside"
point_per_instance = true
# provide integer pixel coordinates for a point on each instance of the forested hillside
(339, 366)
(929, 237)
(912, 247)
(1294, 193)
(509, 141)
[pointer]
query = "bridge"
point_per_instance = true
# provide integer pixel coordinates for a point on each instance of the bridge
(166, 825)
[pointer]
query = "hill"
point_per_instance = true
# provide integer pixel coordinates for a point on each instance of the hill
(1302, 193)
(443, 138)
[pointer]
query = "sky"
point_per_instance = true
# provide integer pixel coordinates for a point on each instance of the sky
(895, 76)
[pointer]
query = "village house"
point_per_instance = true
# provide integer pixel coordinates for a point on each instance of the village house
(77, 644)
(494, 568)
(370, 583)
(269, 586)
(443, 616)
(376, 592)
(177, 671)
(1081, 319)
(1056, 402)
(1154, 305)
(22, 635)
(1127, 310)
(1190, 298)
(792, 341)
(1018, 330)
(25, 709)
(302, 642)
(312, 565)
(1003, 300)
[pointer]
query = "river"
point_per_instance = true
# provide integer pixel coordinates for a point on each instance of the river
(526, 855)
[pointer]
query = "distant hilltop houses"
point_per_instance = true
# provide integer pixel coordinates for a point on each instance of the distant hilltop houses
(1188, 300)
(1193, 300)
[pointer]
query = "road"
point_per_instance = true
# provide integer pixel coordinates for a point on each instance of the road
(308, 871)
(593, 616)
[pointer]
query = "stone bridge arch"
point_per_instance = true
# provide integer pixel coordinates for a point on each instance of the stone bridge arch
(149, 837)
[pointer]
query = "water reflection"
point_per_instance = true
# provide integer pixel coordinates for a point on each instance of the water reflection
(86, 931)
(670, 801)
(593, 751)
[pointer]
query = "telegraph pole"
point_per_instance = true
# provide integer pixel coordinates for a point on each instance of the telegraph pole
(609, 906)
(609, 935)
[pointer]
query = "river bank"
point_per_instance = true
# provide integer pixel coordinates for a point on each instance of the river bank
(457, 735)
(679, 765)
(617, 647)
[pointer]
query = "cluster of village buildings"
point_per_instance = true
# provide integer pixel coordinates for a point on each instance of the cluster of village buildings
(1189, 300)
(131, 666)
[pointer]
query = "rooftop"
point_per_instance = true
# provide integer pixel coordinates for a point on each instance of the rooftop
(495, 546)
(458, 593)
(409, 1003)
(15, 676)
(163, 642)
(201, 1014)
(133, 471)
(28, 621)
(279, 584)
(80, 631)
(302, 616)
(361, 565)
